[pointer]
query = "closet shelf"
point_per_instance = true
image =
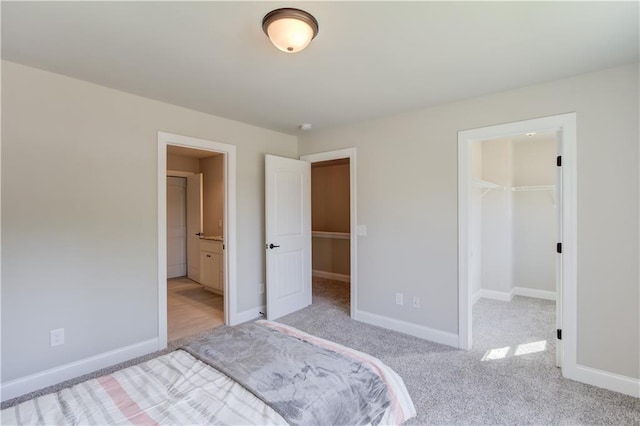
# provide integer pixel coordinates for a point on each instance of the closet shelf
(486, 185)
(332, 235)
(551, 188)
(534, 188)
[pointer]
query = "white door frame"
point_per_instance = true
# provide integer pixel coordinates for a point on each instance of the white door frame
(566, 123)
(229, 221)
(349, 153)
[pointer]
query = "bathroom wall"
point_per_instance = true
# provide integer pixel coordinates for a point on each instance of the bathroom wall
(212, 169)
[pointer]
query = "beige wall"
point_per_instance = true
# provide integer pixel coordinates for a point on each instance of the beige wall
(475, 221)
(182, 163)
(330, 198)
(212, 169)
(79, 214)
(85, 213)
(534, 162)
(496, 221)
(534, 216)
(331, 255)
(407, 197)
(330, 212)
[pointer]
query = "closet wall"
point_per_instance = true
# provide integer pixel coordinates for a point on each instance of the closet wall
(513, 227)
(496, 228)
(182, 163)
(475, 220)
(534, 214)
(330, 219)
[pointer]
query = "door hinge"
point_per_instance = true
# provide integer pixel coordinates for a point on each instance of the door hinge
(559, 333)
(559, 247)
(559, 161)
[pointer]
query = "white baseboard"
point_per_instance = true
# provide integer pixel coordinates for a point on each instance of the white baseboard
(507, 296)
(532, 292)
(248, 315)
(331, 276)
(503, 296)
(175, 271)
(607, 380)
(416, 330)
(55, 375)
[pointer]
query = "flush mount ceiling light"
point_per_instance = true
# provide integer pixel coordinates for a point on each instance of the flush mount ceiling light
(290, 30)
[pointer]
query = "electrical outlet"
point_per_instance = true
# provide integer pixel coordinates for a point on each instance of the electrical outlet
(416, 302)
(57, 337)
(399, 300)
(261, 287)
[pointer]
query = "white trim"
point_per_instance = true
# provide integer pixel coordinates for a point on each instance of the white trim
(502, 296)
(229, 221)
(410, 328)
(534, 292)
(174, 271)
(250, 314)
(331, 275)
(566, 123)
(604, 379)
(507, 296)
(349, 153)
(52, 376)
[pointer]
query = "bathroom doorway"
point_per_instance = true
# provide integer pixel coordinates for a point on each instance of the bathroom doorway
(195, 241)
(202, 263)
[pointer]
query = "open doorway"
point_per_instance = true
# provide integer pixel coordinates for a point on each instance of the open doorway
(334, 228)
(330, 239)
(195, 241)
(564, 126)
(513, 230)
(224, 226)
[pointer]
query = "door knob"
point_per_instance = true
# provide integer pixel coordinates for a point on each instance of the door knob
(271, 246)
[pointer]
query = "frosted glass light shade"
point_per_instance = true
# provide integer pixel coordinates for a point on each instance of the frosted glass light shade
(290, 30)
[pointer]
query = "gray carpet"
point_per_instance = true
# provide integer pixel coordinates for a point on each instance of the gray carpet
(515, 384)
(450, 386)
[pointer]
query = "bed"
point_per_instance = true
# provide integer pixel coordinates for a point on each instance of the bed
(261, 373)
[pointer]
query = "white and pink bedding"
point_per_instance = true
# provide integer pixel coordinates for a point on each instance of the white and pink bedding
(177, 388)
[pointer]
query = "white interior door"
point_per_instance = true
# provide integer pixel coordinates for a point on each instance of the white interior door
(176, 227)
(558, 200)
(194, 225)
(288, 235)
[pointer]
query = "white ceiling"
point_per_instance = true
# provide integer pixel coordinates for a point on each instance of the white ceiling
(370, 59)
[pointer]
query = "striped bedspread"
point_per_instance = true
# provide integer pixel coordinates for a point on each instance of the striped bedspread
(171, 389)
(178, 389)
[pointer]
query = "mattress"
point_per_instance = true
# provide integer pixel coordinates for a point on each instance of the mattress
(178, 388)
